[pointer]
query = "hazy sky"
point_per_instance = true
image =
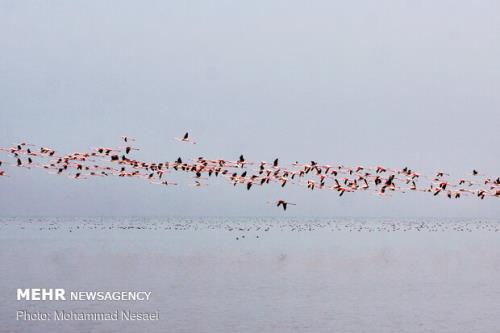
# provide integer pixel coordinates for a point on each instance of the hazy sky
(357, 82)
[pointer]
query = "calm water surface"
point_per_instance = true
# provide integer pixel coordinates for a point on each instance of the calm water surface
(258, 274)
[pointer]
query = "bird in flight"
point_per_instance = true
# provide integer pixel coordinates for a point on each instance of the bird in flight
(119, 162)
(186, 138)
(284, 204)
(127, 139)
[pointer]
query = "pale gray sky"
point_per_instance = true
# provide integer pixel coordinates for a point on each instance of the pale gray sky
(371, 82)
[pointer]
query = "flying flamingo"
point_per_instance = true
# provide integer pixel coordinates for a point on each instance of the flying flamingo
(186, 138)
(103, 161)
(127, 139)
(284, 204)
(166, 183)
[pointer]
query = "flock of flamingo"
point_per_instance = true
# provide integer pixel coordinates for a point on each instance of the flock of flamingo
(380, 180)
